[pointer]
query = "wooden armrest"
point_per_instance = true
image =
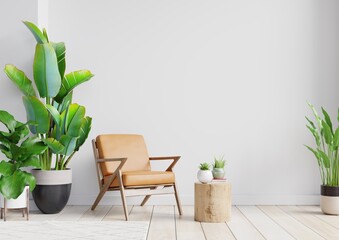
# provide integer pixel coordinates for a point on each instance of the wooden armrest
(164, 158)
(101, 160)
(116, 171)
(170, 167)
(121, 160)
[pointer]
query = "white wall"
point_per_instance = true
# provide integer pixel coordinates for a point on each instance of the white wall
(202, 79)
(16, 46)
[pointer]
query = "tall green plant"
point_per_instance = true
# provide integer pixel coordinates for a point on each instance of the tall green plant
(61, 124)
(21, 151)
(326, 150)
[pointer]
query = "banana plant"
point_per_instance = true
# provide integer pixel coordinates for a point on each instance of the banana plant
(21, 151)
(60, 124)
(327, 143)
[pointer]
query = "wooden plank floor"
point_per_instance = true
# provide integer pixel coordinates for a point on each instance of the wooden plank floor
(247, 222)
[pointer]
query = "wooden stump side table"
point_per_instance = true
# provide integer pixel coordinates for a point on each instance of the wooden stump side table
(212, 202)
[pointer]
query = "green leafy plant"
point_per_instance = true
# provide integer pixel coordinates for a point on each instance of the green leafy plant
(21, 151)
(61, 124)
(326, 150)
(219, 162)
(204, 166)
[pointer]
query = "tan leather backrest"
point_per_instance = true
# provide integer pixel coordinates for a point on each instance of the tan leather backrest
(131, 146)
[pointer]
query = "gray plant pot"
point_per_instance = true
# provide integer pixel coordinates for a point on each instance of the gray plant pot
(218, 173)
(329, 200)
(52, 190)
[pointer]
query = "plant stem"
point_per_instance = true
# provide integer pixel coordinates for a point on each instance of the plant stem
(68, 159)
(56, 161)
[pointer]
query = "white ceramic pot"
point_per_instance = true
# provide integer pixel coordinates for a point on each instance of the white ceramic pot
(205, 176)
(20, 202)
(329, 200)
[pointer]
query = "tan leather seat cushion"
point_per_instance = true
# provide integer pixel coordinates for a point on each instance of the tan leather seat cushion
(141, 178)
(131, 146)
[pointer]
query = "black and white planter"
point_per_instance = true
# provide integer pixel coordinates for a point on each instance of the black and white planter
(52, 190)
(329, 200)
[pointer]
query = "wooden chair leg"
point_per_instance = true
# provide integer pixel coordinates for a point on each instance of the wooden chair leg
(177, 199)
(122, 193)
(146, 198)
(103, 191)
(99, 197)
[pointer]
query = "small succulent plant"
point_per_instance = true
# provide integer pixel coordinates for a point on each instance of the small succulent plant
(219, 162)
(204, 166)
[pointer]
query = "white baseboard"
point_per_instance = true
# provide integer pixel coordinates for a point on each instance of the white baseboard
(276, 200)
(189, 200)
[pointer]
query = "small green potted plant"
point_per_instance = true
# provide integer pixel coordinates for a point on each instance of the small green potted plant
(21, 151)
(327, 155)
(219, 168)
(205, 174)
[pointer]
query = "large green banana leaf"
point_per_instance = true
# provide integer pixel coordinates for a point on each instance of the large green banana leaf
(315, 113)
(84, 131)
(315, 134)
(65, 102)
(327, 119)
(44, 32)
(70, 81)
(40, 38)
(54, 113)
(336, 138)
(37, 113)
(56, 132)
(45, 70)
(72, 119)
(60, 51)
(326, 161)
(69, 143)
(54, 145)
(327, 132)
(30, 140)
(20, 79)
